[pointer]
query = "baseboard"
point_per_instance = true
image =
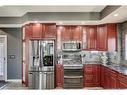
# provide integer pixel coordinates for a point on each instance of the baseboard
(14, 80)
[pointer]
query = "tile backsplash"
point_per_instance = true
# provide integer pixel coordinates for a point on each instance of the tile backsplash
(96, 56)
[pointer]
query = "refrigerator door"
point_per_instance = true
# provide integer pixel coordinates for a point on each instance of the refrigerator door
(48, 53)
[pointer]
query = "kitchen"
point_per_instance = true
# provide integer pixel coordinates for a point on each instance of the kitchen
(71, 49)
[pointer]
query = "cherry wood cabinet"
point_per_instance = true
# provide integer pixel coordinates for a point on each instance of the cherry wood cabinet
(72, 33)
(96, 75)
(102, 37)
(59, 75)
(91, 75)
(67, 33)
(49, 30)
(77, 33)
(42, 30)
(89, 37)
(107, 79)
(112, 37)
(111, 79)
(107, 37)
(102, 68)
(88, 75)
(36, 30)
(122, 81)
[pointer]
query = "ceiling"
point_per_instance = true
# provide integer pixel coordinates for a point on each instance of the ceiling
(18, 11)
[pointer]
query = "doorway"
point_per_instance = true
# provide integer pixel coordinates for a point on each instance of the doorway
(3, 57)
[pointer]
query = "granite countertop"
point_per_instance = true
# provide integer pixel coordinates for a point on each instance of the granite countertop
(118, 68)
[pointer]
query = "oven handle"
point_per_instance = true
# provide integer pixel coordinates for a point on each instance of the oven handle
(73, 76)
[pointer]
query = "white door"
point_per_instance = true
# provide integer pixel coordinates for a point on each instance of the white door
(3, 57)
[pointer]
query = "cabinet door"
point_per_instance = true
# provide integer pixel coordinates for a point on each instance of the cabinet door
(107, 79)
(59, 76)
(122, 85)
(28, 31)
(96, 74)
(102, 76)
(91, 37)
(102, 37)
(49, 30)
(77, 33)
(67, 33)
(37, 30)
(88, 75)
(112, 37)
(113, 82)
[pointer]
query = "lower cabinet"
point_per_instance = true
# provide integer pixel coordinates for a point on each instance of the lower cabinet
(111, 79)
(122, 81)
(91, 75)
(59, 75)
(96, 75)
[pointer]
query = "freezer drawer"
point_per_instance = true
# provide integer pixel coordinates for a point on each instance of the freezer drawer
(33, 80)
(41, 80)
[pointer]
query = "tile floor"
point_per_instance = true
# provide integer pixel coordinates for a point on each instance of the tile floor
(18, 86)
(15, 86)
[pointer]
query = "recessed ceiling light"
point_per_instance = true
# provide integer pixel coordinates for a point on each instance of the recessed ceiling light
(36, 22)
(115, 14)
(60, 23)
(82, 22)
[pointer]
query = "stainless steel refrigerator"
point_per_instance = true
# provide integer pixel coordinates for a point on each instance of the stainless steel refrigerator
(41, 64)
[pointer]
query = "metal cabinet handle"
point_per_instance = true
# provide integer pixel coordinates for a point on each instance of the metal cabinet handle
(73, 76)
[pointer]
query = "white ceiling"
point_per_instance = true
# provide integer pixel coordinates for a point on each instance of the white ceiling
(17, 11)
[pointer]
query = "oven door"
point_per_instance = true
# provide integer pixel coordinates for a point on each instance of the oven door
(73, 78)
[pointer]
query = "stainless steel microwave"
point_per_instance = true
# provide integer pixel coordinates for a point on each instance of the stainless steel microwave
(71, 46)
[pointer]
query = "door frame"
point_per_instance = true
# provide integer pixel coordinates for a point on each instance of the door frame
(5, 42)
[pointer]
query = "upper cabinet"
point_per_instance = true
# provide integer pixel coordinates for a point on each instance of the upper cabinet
(90, 37)
(72, 33)
(107, 37)
(112, 37)
(41, 30)
(37, 30)
(66, 33)
(77, 33)
(49, 30)
(102, 37)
